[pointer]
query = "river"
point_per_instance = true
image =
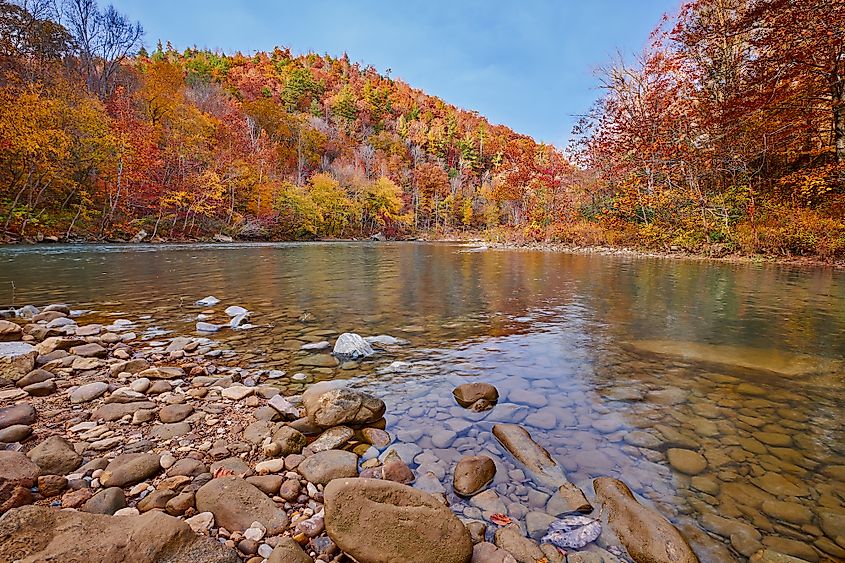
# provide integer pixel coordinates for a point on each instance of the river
(609, 361)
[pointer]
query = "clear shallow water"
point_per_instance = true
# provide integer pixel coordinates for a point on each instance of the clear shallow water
(607, 361)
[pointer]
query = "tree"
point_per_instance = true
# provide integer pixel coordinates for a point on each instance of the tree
(104, 39)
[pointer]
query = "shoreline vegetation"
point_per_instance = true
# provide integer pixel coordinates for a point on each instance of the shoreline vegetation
(722, 137)
(483, 241)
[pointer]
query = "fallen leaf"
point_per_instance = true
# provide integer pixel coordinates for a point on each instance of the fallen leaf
(500, 519)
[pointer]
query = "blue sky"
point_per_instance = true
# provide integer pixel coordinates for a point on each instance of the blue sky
(525, 63)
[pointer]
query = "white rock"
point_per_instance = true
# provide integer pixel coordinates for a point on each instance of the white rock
(265, 550)
(208, 327)
(167, 460)
(235, 310)
(209, 301)
(352, 346)
(201, 523)
(83, 426)
(238, 320)
(255, 534)
(395, 367)
(128, 511)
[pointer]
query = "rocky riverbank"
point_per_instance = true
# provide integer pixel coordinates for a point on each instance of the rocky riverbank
(152, 450)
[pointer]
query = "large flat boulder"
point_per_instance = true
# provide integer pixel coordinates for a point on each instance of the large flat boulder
(385, 522)
(328, 405)
(644, 532)
(236, 504)
(36, 533)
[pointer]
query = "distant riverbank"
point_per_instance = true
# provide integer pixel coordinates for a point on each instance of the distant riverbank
(715, 253)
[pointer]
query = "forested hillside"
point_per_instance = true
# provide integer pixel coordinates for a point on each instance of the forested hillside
(102, 138)
(726, 134)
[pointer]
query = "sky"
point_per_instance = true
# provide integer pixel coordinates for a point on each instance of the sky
(527, 64)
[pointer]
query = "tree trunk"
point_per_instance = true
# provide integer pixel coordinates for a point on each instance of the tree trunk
(838, 95)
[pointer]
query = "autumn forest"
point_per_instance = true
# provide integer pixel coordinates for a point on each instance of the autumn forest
(725, 135)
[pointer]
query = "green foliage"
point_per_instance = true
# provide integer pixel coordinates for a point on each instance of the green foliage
(300, 90)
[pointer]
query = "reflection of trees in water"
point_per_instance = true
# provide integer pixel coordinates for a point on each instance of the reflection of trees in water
(383, 287)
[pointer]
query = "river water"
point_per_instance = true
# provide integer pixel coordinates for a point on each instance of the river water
(610, 362)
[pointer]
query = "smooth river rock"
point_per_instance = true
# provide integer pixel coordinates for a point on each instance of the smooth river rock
(88, 392)
(385, 522)
(327, 405)
(686, 461)
(472, 474)
(647, 535)
(55, 456)
(36, 533)
(236, 504)
(532, 455)
(22, 413)
(322, 467)
(468, 393)
(128, 469)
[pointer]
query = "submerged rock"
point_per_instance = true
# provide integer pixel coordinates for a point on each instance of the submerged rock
(472, 474)
(532, 455)
(759, 359)
(647, 535)
(36, 533)
(209, 301)
(468, 393)
(386, 522)
(351, 346)
(686, 461)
